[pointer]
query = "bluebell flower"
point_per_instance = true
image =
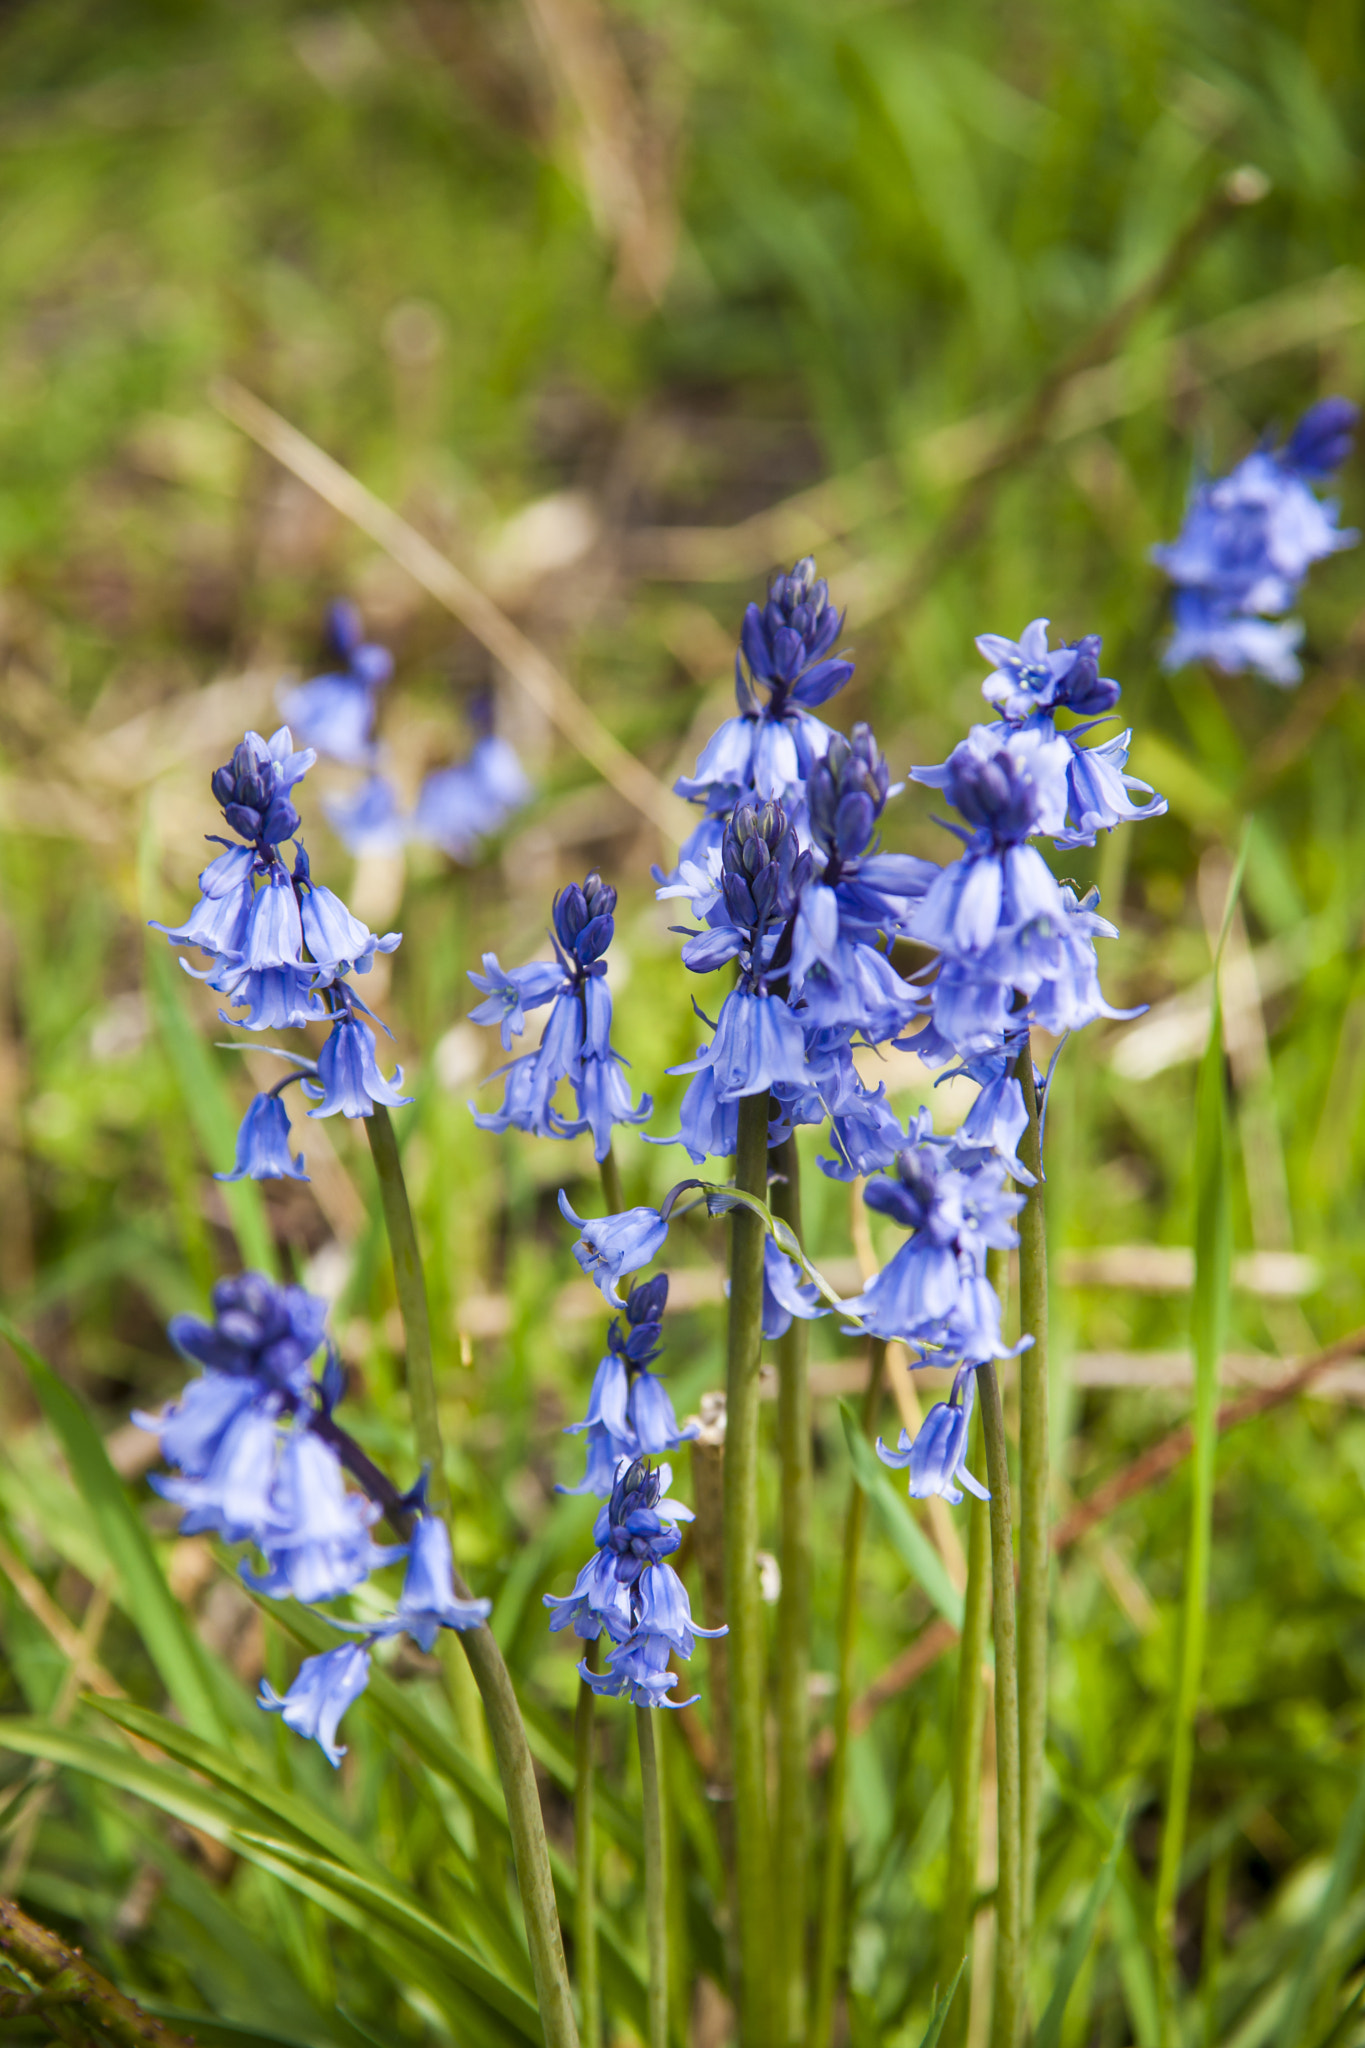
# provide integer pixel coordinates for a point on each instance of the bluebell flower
(998, 1118)
(348, 1077)
(937, 1456)
(335, 712)
(370, 819)
(1003, 927)
(233, 1497)
(1029, 677)
(576, 1042)
(510, 993)
(1247, 543)
(933, 1290)
(218, 921)
(316, 1542)
(259, 1332)
(253, 787)
(460, 806)
(1235, 642)
(338, 942)
(1081, 790)
(428, 1602)
(784, 668)
(263, 1143)
(629, 1590)
(611, 1247)
(629, 1410)
(314, 1704)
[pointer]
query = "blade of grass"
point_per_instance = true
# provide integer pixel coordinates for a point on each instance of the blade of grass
(942, 2010)
(1049, 2031)
(1208, 1325)
(1345, 1858)
(160, 1620)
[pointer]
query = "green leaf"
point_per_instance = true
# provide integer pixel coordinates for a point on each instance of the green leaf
(623, 1972)
(1344, 1860)
(1208, 1328)
(160, 1621)
(276, 1806)
(942, 2009)
(1049, 2031)
(211, 2033)
(907, 1538)
(447, 1967)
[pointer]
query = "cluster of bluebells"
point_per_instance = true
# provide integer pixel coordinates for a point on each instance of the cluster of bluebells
(260, 1459)
(1248, 541)
(795, 900)
(629, 1591)
(575, 1045)
(282, 949)
(457, 807)
(629, 1413)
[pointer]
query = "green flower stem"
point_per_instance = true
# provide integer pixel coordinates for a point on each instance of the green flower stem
(743, 1606)
(1007, 2001)
(832, 1886)
(656, 1910)
(526, 1823)
(585, 1863)
(611, 1183)
(1033, 1502)
(965, 1761)
(792, 1832)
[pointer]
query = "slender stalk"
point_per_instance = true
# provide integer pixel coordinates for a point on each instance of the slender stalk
(611, 1183)
(792, 1832)
(1208, 1330)
(656, 1910)
(831, 1920)
(1033, 1502)
(585, 1862)
(526, 1823)
(743, 1606)
(965, 1762)
(1007, 2000)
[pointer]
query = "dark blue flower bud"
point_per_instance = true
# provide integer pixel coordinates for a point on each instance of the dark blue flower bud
(1321, 442)
(994, 793)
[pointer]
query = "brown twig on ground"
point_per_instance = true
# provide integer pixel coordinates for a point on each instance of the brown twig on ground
(1241, 188)
(1153, 1465)
(78, 1986)
(1163, 1457)
(439, 577)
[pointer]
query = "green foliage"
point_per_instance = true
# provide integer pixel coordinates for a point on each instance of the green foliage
(894, 222)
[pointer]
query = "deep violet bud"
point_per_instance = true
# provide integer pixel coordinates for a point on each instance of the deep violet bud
(1322, 440)
(845, 795)
(994, 792)
(253, 787)
(786, 643)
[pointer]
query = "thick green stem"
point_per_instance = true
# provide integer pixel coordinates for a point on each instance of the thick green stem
(965, 1762)
(611, 1183)
(585, 1862)
(831, 1918)
(1033, 1502)
(1007, 2000)
(743, 1605)
(656, 1909)
(792, 1833)
(526, 1823)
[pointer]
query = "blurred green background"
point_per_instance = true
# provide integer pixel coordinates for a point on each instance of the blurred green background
(623, 309)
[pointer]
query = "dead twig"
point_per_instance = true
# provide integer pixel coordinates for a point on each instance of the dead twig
(550, 691)
(66, 1980)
